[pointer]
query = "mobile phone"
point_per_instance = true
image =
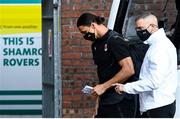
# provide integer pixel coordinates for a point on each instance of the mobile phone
(87, 89)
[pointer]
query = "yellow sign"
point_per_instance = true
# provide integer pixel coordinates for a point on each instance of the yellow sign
(20, 57)
(15, 19)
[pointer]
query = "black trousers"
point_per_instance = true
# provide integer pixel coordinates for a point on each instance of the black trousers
(167, 111)
(124, 109)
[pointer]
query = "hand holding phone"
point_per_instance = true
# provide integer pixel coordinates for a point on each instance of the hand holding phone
(87, 90)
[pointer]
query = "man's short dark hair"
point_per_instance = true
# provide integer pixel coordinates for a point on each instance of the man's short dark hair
(143, 15)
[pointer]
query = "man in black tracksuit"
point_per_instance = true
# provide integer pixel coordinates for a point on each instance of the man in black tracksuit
(114, 64)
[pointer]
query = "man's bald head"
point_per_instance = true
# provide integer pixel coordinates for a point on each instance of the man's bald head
(148, 18)
(147, 21)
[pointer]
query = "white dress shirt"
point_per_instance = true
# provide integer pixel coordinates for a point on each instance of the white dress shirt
(158, 76)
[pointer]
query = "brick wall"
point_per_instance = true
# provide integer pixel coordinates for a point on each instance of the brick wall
(156, 7)
(78, 67)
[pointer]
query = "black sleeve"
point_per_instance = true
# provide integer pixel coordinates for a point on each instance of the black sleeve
(119, 48)
(177, 5)
(92, 49)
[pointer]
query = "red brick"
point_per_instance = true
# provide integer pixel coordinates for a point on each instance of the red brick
(83, 69)
(71, 55)
(71, 84)
(70, 14)
(77, 63)
(83, 49)
(66, 7)
(71, 98)
(66, 104)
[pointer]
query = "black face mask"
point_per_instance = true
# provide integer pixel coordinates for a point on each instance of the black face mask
(90, 36)
(143, 34)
